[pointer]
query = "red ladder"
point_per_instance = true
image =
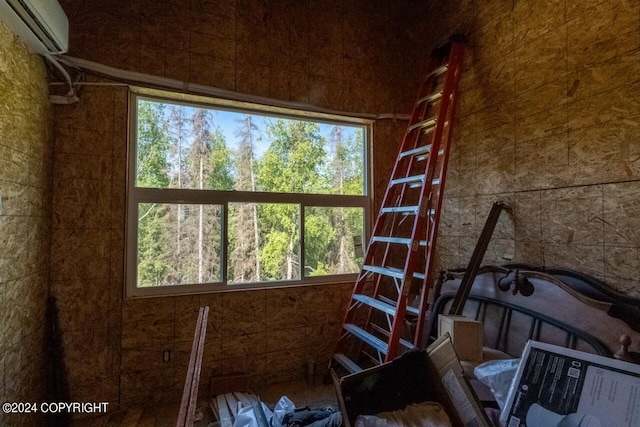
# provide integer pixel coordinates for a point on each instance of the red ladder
(400, 254)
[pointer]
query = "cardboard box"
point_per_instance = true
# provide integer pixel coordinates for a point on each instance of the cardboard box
(555, 386)
(466, 335)
(434, 374)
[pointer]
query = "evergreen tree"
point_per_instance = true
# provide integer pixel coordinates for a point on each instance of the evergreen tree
(178, 131)
(348, 178)
(201, 168)
(152, 171)
(244, 263)
(290, 165)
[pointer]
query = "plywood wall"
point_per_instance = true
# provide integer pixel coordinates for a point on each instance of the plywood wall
(549, 123)
(342, 55)
(25, 190)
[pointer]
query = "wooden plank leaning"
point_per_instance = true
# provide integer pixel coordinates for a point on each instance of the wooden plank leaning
(190, 392)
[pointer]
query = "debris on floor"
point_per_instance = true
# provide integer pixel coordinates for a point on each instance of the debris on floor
(246, 410)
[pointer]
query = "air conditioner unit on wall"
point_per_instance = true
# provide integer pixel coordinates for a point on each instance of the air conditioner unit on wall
(41, 24)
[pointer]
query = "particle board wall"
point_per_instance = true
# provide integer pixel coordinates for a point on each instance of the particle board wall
(549, 123)
(342, 55)
(25, 188)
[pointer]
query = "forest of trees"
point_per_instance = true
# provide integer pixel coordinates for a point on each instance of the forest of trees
(191, 148)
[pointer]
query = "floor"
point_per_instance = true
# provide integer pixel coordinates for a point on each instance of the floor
(300, 393)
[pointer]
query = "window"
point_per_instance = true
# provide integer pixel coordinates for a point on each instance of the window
(226, 195)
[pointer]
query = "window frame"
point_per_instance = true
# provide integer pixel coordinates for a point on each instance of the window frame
(137, 195)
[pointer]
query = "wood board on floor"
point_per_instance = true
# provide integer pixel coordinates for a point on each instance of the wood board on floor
(226, 406)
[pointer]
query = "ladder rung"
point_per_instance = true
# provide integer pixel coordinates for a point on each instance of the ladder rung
(430, 98)
(387, 271)
(417, 150)
(402, 209)
(347, 363)
(441, 69)
(408, 179)
(398, 273)
(428, 123)
(410, 309)
(406, 344)
(413, 179)
(368, 338)
(375, 303)
(424, 156)
(399, 240)
(383, 331)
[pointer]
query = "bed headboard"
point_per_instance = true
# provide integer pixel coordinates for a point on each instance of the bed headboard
(561, 307)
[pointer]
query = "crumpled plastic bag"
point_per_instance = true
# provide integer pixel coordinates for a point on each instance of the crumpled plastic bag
(498, 376)
(247, 417)
(282, 408)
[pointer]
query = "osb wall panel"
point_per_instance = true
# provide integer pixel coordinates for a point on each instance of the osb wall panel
(88, 239)
(341, 55)
(345, 55)
(549, 123)
(25, 188)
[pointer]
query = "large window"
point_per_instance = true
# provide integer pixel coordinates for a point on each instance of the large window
(224, 195)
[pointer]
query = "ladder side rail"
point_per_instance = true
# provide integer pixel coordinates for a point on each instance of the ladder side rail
(455, 68)
(420, 222)
(396, 329)
(376, 290)
(411, 261)
(410, 139)
(417, 115)
(427, 188)
(410, 135)
(380, 220)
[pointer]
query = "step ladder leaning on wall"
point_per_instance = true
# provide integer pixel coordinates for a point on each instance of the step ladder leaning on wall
(399, 259)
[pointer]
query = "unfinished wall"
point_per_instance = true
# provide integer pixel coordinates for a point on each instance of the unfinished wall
(25, 188)
(342, 55)
(549, 123)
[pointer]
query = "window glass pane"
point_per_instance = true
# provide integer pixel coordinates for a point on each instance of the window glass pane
(264, 242)
(190, 147)
(178, 244)
(328, 240)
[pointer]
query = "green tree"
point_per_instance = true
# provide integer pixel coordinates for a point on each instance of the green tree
(152, 165)
(205, 231)
(348, 178)
(244, 262)
(178, 131)
(221, 161)
(152, 170)
(290, 165)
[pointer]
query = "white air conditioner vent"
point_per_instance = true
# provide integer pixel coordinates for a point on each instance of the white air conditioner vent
(41, 24)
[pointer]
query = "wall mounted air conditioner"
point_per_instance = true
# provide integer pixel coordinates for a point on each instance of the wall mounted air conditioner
(41, 24)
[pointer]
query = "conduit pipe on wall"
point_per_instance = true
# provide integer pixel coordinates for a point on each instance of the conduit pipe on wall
(198, 89)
